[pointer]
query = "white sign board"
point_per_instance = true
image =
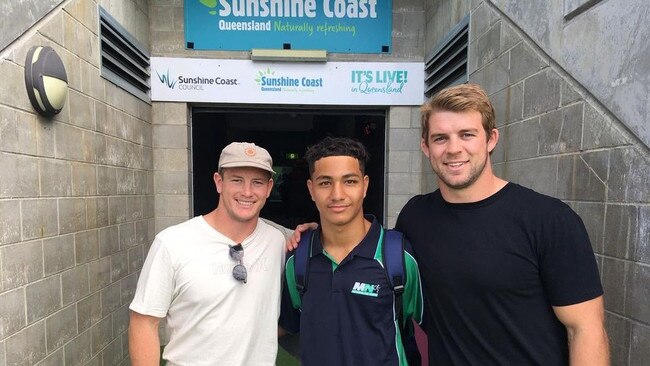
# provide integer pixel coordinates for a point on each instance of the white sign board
(245, 81)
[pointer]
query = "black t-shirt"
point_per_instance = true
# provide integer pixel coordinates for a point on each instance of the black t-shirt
(493, 269)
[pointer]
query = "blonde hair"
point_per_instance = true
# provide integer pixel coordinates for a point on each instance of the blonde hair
(459, 98)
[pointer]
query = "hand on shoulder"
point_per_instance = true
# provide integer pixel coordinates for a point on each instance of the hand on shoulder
(292, 242)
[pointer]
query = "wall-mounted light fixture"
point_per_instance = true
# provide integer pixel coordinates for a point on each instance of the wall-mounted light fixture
(46, 80)
(258, 54)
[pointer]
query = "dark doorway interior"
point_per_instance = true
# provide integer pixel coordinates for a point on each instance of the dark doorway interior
(285, 134)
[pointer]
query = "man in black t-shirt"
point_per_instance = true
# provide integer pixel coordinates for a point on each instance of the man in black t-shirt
(509, 275)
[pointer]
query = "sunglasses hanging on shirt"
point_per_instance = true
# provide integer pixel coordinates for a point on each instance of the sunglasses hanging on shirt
(239, 271)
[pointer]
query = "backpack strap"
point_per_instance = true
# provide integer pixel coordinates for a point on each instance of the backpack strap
(393, 253)
(301, 260)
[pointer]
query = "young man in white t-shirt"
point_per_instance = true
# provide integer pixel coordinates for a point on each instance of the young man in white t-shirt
(216, 278)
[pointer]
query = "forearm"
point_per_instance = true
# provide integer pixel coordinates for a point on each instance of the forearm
(144, 344)
(588, 347)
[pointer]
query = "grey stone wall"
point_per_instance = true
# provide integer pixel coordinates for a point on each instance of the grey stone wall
(172, 164)
(18, 16)
(454, 11)
(404, 164)
(76, 197)
(604, 45)
(560, 137)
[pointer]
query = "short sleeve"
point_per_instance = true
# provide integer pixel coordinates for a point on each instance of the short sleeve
(153, 294)
(413, 300)
(567, 263)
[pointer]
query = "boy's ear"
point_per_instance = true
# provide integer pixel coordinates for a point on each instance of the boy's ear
(366, 183)
(309, 187)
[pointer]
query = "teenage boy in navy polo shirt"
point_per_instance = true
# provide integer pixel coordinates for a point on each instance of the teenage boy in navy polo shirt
(346, 316)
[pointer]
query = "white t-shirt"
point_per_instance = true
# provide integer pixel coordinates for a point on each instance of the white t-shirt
(213, 319)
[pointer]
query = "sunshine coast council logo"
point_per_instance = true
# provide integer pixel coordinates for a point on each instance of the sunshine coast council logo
(166, 79)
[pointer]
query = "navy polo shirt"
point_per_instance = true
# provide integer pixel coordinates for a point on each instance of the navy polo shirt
(346, 316)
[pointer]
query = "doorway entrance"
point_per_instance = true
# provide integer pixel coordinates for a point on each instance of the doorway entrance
(286, 134)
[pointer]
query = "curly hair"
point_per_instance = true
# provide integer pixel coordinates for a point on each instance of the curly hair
(337, 146)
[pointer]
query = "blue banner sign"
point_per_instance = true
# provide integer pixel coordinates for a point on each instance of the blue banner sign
(343, 26)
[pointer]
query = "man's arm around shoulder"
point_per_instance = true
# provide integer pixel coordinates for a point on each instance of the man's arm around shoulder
(144, 344)
(585, 324)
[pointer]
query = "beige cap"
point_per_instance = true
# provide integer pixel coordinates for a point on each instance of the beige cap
(245, 154)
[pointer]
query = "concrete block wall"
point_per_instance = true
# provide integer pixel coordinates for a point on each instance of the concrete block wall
(172, 164)
(76, 198)
(602, 44)
(559, 139)
(20, 16)
(405, 166)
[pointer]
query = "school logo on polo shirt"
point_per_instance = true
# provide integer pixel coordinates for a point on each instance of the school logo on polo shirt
(365, 289)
